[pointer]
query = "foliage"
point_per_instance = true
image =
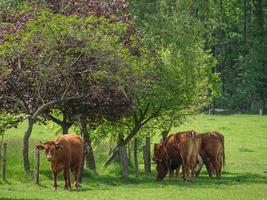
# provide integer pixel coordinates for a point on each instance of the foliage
(237, 39)
(78, 65)
(187, 82)
(8, 121)
(91, 61)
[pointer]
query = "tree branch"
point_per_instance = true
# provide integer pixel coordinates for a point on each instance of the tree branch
(51, 103)
(23, 102)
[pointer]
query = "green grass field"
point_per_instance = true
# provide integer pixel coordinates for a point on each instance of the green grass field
(243, 177)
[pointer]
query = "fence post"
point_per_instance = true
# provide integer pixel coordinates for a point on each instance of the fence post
(146, 154)
(260, 112)
(135, 157)
(4, 161)
(124, 161)
(36, 166)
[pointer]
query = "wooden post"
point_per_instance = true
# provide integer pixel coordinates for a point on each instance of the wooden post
(146, 154)
(136, 157)
(4, 161)
(124, 161)
(36, 166)
(260, 112)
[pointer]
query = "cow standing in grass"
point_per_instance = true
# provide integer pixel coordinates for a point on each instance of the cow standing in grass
(176, 150)
(211, 149)
(65, 153)
(167, 157)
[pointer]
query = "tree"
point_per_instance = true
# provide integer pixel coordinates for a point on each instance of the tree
(182, 77)
(60, 59)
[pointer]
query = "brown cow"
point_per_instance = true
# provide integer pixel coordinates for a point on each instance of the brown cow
(211, 149)
(167, 157)
(176, 150)
(188, 151)
(64, 153)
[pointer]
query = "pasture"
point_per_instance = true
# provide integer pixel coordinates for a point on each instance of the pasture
(243, 176)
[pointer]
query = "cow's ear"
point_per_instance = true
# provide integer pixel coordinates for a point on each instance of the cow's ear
(40, 147)
(59, 147)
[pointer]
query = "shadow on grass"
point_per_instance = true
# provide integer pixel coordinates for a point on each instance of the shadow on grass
(104, 182)
(203, 180)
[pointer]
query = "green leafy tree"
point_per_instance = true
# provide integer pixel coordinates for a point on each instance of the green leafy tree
(59, 59)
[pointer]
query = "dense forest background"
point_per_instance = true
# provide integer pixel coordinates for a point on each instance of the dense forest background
(233, 30)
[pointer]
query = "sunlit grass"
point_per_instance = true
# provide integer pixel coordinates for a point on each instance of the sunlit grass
(243, 175)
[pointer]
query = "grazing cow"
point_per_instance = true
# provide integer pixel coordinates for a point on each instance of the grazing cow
(211, 149)
(176, 150)
(167, 157)
(188, 152)
(65, 153)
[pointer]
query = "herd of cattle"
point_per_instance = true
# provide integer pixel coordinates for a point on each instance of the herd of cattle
(191, 151)
(187, 149)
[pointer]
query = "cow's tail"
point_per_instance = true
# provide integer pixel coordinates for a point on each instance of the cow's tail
(221, 152)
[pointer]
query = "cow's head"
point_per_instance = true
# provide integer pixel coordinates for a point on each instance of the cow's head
(159, 153)
(50, 147)
(160, 159)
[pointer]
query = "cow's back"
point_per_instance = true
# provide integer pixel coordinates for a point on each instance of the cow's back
(187, 142)
(72, 149)
(212, 144)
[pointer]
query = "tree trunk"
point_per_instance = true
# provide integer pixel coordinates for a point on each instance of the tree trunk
(129, 149)
(65, 128)
(115, 151)
(26, 137)
(245, 27)
(138, 125)
(146, 154)
(89, 153)
(65, 124)
(90, 159)
(136, 157)
(82, 167)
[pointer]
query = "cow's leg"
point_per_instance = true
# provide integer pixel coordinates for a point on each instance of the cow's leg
(218, 168)
(67, 178)
(54, 174)
(76, 177)
(199, 165)
(209, 166)
(186, 170)
(193, 166)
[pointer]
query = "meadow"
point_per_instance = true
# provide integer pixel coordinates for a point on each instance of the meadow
(243, 176)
